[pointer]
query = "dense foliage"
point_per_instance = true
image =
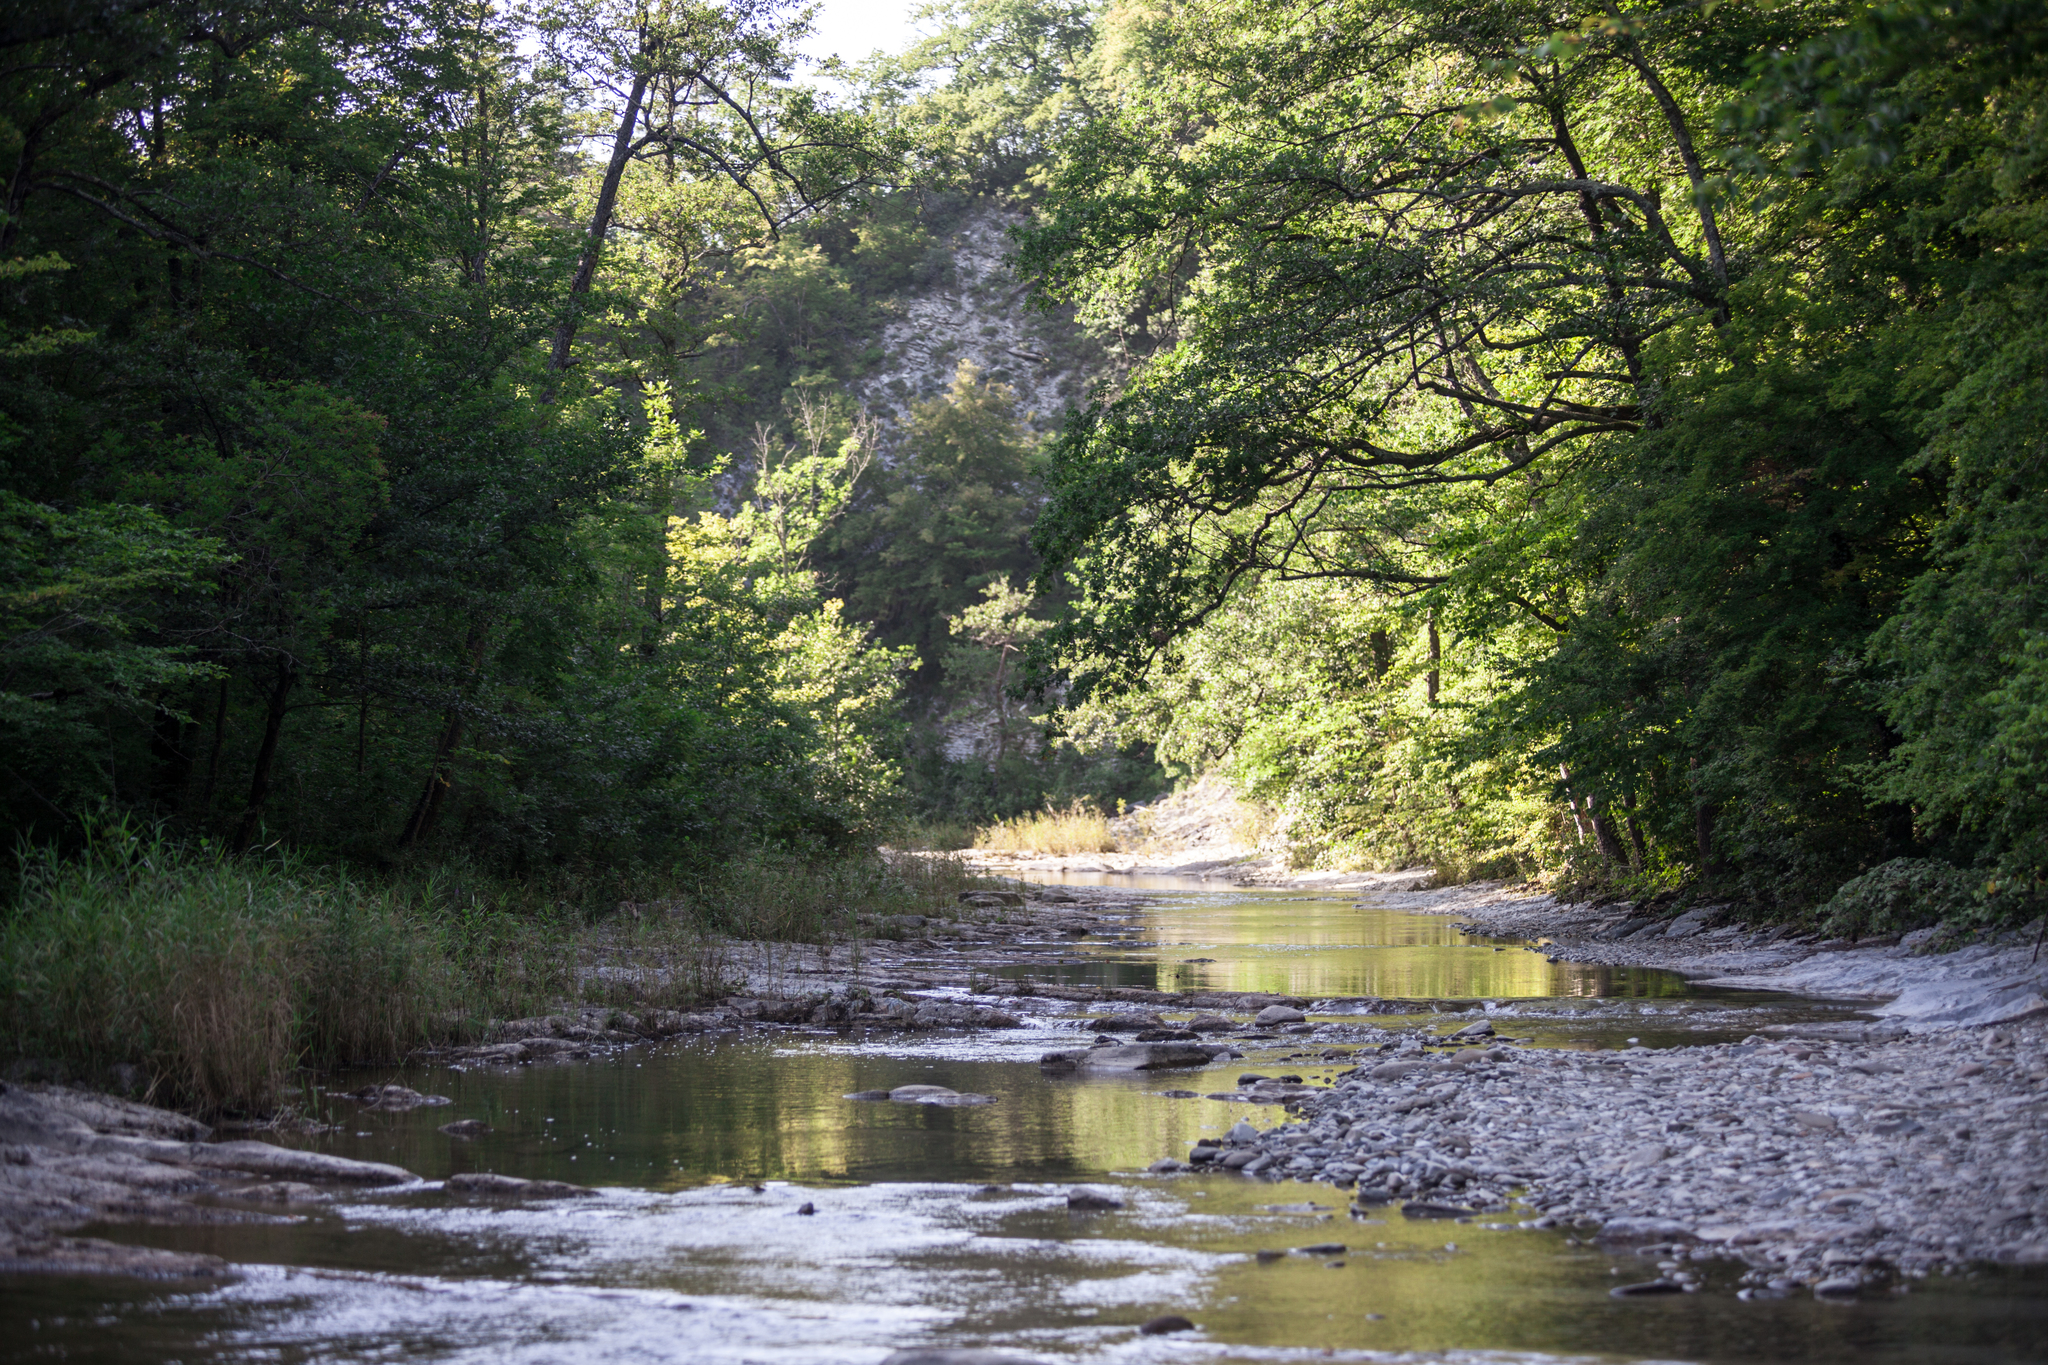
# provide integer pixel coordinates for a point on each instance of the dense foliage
(1602, 444)
(1599, 445)
(349, 481)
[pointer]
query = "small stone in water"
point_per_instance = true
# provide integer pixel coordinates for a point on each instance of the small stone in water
(807, 1208)
(1092, 1201)
(919, 1092)
(1324, 1249)
(466, 1128)
(1268, 1256)
(1242, 1132)
(1645, 1289)
(1167, 1322)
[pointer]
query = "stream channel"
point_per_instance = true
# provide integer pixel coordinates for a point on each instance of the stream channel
(950, 1227)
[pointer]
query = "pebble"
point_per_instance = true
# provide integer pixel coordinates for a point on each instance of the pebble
(1810, 1157)
(1167, 1322)
(1092, 1201)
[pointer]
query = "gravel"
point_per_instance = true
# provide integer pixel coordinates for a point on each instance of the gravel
(1820, 1162)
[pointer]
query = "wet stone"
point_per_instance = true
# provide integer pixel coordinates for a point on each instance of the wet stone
(511, 1187)
(1167, 1322)
(1092, 1201)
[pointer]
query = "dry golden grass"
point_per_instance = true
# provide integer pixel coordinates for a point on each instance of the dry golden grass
(1080, 828)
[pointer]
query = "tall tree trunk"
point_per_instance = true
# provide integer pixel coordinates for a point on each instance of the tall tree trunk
(220, 725)
(1002, 707)
(1435, 656)
(170, 744)
(1564, 775)
(1703, 831)
(600, 224)
(441, 772)
(1635, 834)
(427, 809)
(1603, 833)
(259, 780)
(362, 690)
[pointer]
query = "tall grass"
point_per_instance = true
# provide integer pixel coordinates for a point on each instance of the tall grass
(219, 975)
(777, 896)
(1079, 828)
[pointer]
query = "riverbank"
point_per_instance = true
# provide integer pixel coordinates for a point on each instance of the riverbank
(1843, 1158)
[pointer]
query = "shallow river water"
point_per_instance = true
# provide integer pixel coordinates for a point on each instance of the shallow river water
(950, 1226)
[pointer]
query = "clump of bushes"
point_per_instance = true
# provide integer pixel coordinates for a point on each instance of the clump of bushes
(1901, 895)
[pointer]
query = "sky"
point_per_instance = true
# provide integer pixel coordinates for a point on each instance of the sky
(854, 28)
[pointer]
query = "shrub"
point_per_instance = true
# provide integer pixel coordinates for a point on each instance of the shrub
(1079, 828)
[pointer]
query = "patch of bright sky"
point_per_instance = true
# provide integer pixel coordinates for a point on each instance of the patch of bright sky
(854, 29)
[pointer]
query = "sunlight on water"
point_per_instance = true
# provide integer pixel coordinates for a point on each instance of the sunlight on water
(1290, 945)
(950, 1226)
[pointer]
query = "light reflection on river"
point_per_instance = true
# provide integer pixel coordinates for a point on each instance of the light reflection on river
(706, 1149)
(1292, 944)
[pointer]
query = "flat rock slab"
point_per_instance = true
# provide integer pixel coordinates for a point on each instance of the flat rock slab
(925, 1094)
(1128, 1057)
(91, 1256)
(511, 1187)
(110, 1114)
(286, 1163)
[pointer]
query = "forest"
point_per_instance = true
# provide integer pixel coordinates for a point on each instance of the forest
(466, 465)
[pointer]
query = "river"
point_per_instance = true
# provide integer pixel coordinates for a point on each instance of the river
(950, 1226)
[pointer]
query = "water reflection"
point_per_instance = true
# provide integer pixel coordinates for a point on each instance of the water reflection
(757, 1109)
(705, 1151)
(1295, 945)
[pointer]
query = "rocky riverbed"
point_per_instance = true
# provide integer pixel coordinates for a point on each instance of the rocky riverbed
(1838, 1159)
(1830, 1157)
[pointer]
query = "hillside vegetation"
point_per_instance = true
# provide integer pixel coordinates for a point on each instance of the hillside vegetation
(575, 451)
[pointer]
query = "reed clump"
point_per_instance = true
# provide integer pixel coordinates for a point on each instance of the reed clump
(1076, 828)
(218, 976)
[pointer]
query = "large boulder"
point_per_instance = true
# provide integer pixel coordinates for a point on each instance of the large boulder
(1128, 1057)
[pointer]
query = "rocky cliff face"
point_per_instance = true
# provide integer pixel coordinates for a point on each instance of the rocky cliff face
(977, 313)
